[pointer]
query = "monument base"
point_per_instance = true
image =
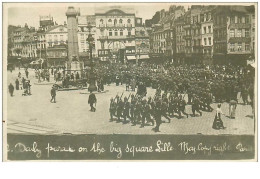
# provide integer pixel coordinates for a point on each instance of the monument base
(74, 67)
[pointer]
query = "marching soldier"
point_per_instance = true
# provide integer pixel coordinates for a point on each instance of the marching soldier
(126, 109)
(112, 109)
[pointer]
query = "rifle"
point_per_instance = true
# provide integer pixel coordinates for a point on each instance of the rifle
(121, 95)
(128, 96)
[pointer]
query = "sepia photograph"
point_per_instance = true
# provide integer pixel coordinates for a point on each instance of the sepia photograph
(130, 81)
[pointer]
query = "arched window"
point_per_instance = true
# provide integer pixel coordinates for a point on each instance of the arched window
(116, 33)
(110, 21)
(115, 21)
(120, 21)
(101, 21)
(128, 21)
(121, 32)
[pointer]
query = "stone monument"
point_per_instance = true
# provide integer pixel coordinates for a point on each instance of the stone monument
(73, 64)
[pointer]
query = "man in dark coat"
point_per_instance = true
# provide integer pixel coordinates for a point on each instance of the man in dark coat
(53, 94)
(17, 84)
(11, 89)
(91, 101)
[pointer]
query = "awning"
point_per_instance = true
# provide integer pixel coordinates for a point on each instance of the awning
(130, 57)
(144, 56)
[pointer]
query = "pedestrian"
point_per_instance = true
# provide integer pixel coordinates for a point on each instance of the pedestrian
(19, 75)
(11, 89)
(77, 76)
(218, 123)
(26, 73)
(17, 84)
(53, 94)
(232, 109)
(91, 101)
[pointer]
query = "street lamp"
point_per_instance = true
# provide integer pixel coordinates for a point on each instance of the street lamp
(92, 78)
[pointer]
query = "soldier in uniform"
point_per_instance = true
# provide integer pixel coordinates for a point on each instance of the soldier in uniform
(132, 108)
(126, 109)
(112, 109)
(120, 108)
(182, 105)
(195, 106)
(158, 116)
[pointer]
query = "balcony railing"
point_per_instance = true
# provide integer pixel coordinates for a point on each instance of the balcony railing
(103, 37)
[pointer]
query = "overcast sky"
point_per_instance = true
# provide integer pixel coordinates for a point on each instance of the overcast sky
(19, 14)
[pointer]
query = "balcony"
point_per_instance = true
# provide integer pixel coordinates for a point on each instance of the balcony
(240, 26)
(239, 39)
(128, 25)
(103, 37)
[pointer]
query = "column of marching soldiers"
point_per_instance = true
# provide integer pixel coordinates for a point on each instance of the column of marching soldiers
(139, 110)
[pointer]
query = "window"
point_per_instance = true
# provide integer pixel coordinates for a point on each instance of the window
(205, 41)
(239, 47)
(61, 38)
(209, 40)
(102, 45)
(116, 33)
(55, 39)
(246, 32)
(239, 33)
(209, 28)
(209, 16)
(121, 32)
(109, 21)
(239, 20)
(128, 21)
(120, 21)
(247, 47)
(115, 21)
(247, 20)
(110, 33)
(205, 30)
(101, 21)
(129, 33)
(232, 47)
(102, 32)
(232, 19)
(232, 33)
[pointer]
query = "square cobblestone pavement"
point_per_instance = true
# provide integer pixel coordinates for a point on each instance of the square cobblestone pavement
(35, 114)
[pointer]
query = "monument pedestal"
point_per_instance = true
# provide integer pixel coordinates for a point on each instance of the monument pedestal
(74, 67)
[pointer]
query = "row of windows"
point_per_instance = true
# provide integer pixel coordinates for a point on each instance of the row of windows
(233, 47)
(163, 35)
(207, 30)
(239, 33)
(115, 21)
(239, 19)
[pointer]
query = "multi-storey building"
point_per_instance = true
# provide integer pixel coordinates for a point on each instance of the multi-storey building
(207, 33)
(180, 42)
(196, 34)
(86, 26)
(115, 32)
(163, 44)
(24, 44)
(233, 34)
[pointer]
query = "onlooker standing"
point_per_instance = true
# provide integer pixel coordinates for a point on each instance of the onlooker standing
(91, 100)
(11, 89)
(17, 84)
(232, 109)
(53, 94)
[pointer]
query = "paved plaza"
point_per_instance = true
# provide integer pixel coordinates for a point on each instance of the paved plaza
(71, 114)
